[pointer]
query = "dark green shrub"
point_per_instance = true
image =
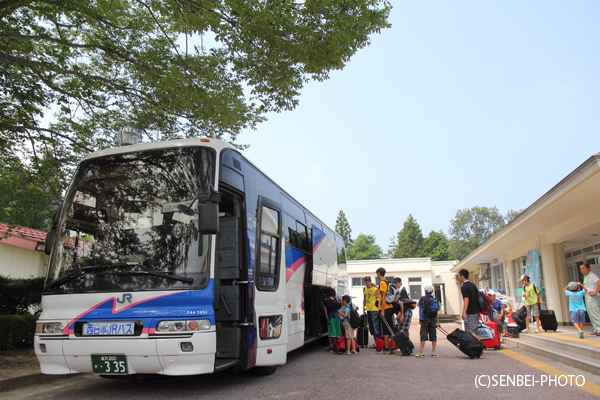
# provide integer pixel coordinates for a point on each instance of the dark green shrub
(17, 296)
(17, 331)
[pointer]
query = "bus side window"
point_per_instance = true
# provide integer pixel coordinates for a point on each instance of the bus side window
(268, 277)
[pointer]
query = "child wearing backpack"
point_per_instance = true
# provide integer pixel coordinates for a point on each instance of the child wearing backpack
(576, 305)
(429, 320)
(345, 312)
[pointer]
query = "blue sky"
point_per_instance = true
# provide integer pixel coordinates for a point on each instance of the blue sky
(459, 104)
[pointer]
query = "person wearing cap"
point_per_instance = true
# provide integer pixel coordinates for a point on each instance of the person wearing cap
(370, 308)
(576, 305)
(428, 324)
(496, 311)
(592, 298)
(532, 300)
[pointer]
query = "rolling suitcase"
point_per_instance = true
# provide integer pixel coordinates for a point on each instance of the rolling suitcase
(465, 342)
(548, 320)
(519, 321)
(493, 342)
(362, 332)
(405, 345)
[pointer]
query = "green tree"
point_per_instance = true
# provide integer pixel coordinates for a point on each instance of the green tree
(471, 227)
(511, 214)
(342, 227)
(173, 68)
(408, 242)
(364, 248)
(28, 199)
(436, 246)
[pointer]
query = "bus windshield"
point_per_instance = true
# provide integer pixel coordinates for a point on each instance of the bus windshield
(120, 227)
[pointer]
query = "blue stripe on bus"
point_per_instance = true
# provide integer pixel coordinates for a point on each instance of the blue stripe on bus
(193, 304)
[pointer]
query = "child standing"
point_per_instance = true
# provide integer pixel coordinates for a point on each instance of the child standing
(576, 305)
(333, 317)
(345, 313)
(428, 323)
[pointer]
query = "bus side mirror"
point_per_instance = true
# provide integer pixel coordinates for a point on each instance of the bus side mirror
(208, 218)
(49, 241)
(51, 234)
(208, 212)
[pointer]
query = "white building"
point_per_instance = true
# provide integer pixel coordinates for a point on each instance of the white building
(22, 252)
(553, 237)
(415, 273)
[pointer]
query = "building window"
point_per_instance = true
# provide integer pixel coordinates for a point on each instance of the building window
(414, 285)
(358, 282)
(498, 277)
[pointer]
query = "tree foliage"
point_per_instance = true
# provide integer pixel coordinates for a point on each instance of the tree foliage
(342, 227)
(471, 227)
(436, 246)
(28, 199)
(511, 214)
(408, 241)
(173, 68)
(364, 248)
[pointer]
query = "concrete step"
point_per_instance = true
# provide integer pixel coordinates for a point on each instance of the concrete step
(445, 318)
(584, 355)
(576, 346)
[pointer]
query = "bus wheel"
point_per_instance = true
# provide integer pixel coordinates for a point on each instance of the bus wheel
(270, 370)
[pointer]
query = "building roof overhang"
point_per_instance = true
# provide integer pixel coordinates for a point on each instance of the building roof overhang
(569, 213)
(20, 236)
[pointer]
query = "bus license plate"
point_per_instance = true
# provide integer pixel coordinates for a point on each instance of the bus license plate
(109, 364)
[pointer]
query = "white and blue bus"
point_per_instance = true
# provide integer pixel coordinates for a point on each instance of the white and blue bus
(181, 258)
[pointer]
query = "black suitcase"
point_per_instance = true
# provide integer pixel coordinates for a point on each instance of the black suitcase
(362, 333)
(405, 345)
(465, 342)
(514, 331)
(521, 322)
(548, 320)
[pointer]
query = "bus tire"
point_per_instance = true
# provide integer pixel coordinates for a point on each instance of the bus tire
(264, 371)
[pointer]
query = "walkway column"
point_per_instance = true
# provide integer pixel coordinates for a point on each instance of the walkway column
(551, 282)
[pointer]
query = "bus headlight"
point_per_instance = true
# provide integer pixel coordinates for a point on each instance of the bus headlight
(49, 327)
(194, 325)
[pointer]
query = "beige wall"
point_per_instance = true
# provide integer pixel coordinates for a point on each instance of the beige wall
(16, 262)
(430, 273)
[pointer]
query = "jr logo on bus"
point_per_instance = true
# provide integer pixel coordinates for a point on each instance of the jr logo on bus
(126, 296)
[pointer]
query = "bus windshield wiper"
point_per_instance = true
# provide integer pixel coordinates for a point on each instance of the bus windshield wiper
(83, 270)
(159, 274)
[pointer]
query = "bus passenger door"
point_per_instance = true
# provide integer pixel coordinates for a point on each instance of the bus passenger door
(270, 286)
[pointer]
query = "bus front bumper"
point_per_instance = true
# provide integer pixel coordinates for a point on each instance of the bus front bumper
(161, 355)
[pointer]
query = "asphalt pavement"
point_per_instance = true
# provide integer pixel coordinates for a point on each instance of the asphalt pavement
(312, 373)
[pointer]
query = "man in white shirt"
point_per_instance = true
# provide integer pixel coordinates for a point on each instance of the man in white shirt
(592, 299)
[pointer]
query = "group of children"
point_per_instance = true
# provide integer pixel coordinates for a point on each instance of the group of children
(338, 316)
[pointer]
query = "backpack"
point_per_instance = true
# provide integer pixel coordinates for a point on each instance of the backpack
(354, 318)
(392, 294)
(484, 302)
(332, 304)
(431, 307)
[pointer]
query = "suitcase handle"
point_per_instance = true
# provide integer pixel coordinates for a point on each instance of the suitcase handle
(443, 331)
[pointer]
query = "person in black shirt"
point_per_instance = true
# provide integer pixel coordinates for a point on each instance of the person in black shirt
(470, 311)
